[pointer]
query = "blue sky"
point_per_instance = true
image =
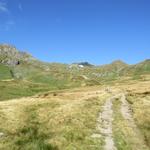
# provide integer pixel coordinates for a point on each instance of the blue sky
(98, 31)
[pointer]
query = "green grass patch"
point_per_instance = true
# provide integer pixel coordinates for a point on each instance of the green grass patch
(5, 72)
(18, 88)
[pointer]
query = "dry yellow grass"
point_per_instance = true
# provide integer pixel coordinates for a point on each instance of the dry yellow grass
(66, 119)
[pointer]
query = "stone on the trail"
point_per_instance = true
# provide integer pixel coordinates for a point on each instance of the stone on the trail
(1, 134)
(96, 136)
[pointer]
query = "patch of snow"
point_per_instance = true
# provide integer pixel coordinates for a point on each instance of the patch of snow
(81, 66)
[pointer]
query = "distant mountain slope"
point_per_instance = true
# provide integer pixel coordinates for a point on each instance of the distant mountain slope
(137, 69)
(23, 65)
(22, 75)
(20, 68)
(115, 66)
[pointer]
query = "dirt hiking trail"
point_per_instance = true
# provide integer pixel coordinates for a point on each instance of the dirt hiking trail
(105, 127)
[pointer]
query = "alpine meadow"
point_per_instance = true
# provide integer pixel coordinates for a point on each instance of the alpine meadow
(84, 81)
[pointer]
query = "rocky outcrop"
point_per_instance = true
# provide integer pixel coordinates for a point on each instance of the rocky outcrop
(10, 56)
(84, 64)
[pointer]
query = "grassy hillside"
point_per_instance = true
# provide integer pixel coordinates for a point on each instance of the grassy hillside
(29, 72)
(137, 69)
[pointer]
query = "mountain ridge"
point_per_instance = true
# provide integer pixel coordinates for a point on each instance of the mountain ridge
(12, 52)
(28, 75)
(19, 60)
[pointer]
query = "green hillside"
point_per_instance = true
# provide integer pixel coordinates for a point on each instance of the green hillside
(31, 76)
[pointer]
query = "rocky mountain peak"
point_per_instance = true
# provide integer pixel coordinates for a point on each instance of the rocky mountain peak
(85, 64)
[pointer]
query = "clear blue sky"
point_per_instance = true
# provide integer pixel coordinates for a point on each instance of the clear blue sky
(98, 31)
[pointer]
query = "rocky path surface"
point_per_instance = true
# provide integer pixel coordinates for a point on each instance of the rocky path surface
(106, 117)
(104, 125)
(126, 111)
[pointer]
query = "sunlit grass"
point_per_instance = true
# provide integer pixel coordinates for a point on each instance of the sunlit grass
(140, 104)
(51, 123)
